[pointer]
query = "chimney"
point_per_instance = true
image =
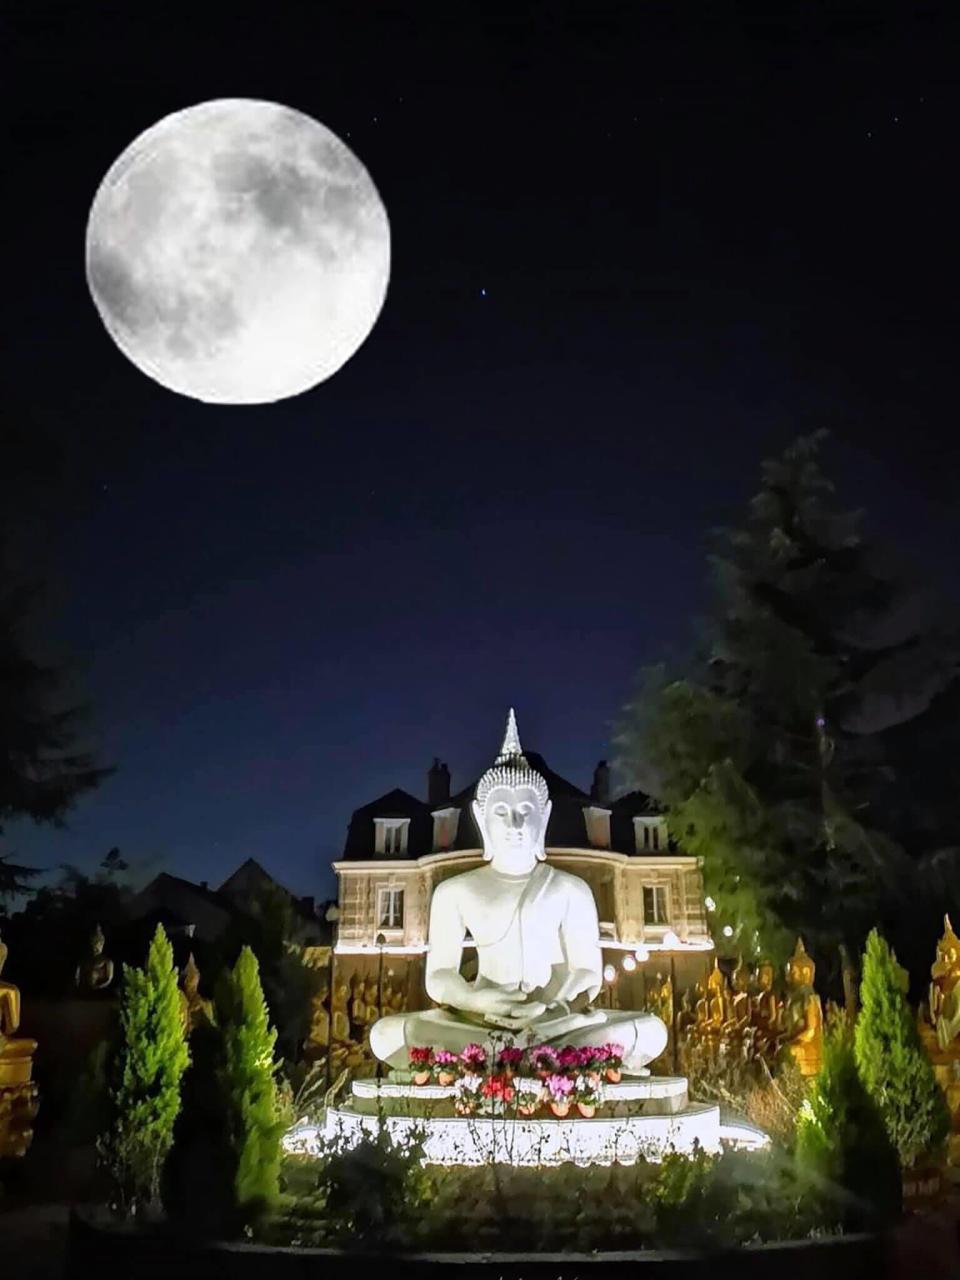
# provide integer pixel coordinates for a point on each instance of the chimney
(600, 791)
(438, 784)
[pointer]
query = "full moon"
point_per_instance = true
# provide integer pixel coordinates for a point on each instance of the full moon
(238, 252)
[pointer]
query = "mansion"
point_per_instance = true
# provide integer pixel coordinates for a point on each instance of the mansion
(399, 847)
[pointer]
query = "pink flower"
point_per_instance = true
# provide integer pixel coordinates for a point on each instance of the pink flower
(568, 1059)
(510, 1057)
(613, 1054)
(474, 1056)
(559, 1087)
(444, 1058)
(592, 1056)
(544, 1056)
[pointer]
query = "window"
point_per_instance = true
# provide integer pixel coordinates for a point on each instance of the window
(391, 835)
(390, 909)
(650, 835)
(655, 904)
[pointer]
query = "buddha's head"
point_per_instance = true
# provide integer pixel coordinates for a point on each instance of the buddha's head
(741, 977)
(97, 941)
(948, 948)
(512, 809)
(800, 967)
(716, 981)
(765, 975)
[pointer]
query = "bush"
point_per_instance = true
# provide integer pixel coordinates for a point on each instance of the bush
(842, 1145)
(145, 1099)
(893, 1066)
(248, 1078)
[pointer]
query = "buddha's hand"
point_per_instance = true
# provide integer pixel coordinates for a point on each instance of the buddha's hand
(522, 1016)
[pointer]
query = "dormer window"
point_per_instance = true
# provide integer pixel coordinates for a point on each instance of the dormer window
(391, 835)
(446, 823)
(597, 822)
(650, 834)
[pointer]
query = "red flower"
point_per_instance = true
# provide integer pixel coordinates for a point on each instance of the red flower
(568, 1059)
(421, 1057)
(498, 1088)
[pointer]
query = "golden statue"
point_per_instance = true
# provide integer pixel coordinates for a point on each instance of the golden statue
(372, 1001)
(718, 999)
(804, 1013)
(945, 988)
(195, 1008)
(766, 1010)
(318, 1036)
(339, 1017)
(740, 1000)
(9, 1001)
(18, 1093)
(358, 1008)
(95, 972)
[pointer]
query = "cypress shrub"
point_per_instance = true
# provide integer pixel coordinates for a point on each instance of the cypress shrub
(145, 1098)
(895, 1070)
(842, 1145)
(248, 1079)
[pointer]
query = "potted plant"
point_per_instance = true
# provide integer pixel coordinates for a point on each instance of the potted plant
(593, 1062)
(543, 1057)
(421, 1064)
(559, 1092)
(586, 1092)
(509, 1060)
(468, 1094)
(446, 1066)
(568, 1060)
(613, 1062)
(529, 1095)
(474, 1059)
(497, 1092)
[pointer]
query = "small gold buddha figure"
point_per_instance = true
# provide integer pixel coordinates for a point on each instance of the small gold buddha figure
(358, 1008)
(372, 1002)
(9, 1001)
(766, 1011)
(945, 988)
(740, 1000)
(803, 1013)
(95, 971)
(195, 1008)
(718, 999)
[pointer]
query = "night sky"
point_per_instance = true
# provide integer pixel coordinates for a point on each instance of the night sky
(635, 249)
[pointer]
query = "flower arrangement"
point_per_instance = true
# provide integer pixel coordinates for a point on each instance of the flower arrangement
(586, 1094)
(568, 1059)
(529, 1095)
(509, 1060)
(468, 1093)
(592, 1061)
(446, 1066)
(559, 1090)
(613, 1061)
(543, 1058)
(498, 1092)
(421, 1063)
(474, 1058)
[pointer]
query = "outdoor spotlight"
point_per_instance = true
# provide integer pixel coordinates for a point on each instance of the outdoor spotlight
(642, 953)
(609, 973)
(629, 963)
(728, 931)
(709, 904)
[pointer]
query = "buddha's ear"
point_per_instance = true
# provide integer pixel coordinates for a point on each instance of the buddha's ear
(547, 809)
(478, 819)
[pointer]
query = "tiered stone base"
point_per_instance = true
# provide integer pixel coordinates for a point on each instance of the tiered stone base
(19, 1100)
(638, 1119)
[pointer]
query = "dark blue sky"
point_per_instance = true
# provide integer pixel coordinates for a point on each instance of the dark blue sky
(697, 236)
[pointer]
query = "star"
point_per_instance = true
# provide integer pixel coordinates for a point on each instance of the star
(483, 293)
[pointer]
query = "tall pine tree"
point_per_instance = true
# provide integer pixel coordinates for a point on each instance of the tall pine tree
(145, 1098)
(766, 750)
(248, 1077)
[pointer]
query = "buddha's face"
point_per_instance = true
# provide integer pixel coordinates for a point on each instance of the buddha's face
(800, 973)
(97, 943)
(765, 977)
(513, 826)
(741, 978)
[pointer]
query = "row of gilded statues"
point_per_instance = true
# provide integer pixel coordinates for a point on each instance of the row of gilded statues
(722, 1022)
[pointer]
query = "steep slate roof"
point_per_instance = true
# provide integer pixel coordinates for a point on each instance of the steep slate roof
(566, 828)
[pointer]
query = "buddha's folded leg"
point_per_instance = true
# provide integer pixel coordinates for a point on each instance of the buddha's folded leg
(642, 1036)
(392, 1038)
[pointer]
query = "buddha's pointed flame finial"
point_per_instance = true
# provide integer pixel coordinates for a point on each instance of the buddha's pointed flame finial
(511, 740)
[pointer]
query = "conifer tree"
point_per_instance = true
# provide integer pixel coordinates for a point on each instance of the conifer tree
(763, 749)
(248, 1076)
(151, 1060)
(895, 1070)
(842, 1143)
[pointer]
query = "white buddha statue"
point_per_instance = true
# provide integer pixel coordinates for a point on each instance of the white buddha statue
(539, 963)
